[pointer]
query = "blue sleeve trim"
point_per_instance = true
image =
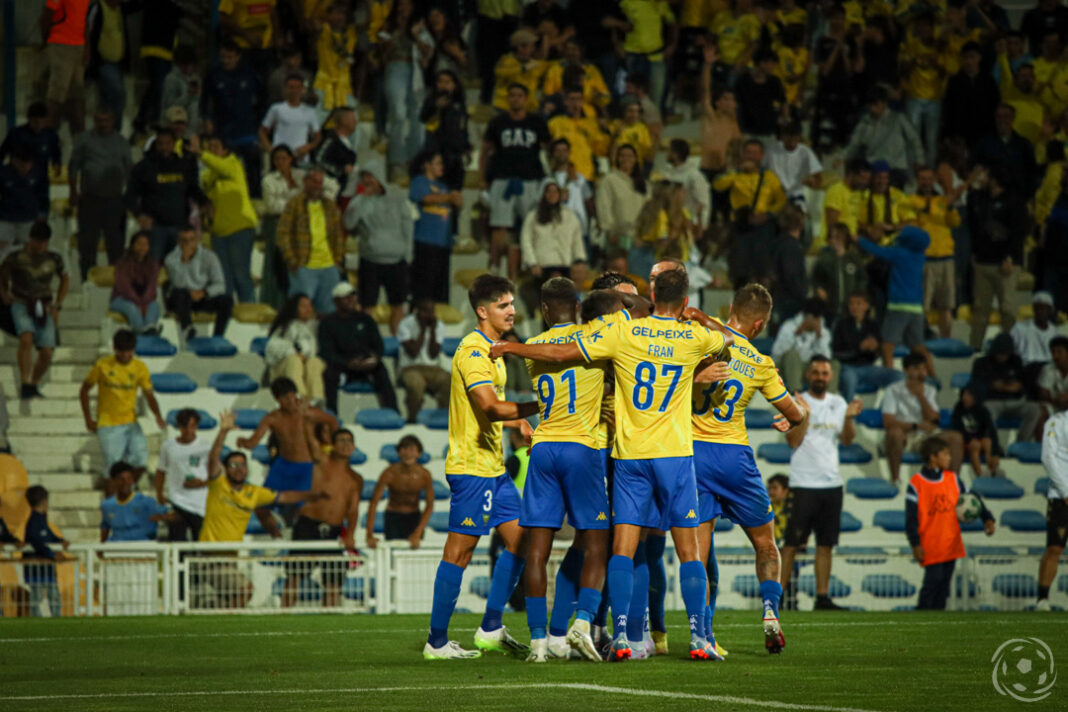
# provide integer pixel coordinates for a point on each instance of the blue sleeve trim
(779, 397)
(480, 383)
(583, 349)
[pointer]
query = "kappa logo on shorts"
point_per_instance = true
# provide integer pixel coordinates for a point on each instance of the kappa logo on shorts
(601, 517)
(467, 522)
(691, 515)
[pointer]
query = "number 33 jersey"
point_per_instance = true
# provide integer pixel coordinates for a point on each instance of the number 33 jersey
(719, 408)
(654, 360)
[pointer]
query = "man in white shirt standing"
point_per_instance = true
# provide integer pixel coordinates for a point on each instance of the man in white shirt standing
(420, 335)
(794, 163)
(291, 122)
(183, 459)
(1055, 460)
(801, 337)
(815, 481)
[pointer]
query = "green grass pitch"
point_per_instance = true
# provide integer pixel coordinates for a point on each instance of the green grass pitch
(832, 662)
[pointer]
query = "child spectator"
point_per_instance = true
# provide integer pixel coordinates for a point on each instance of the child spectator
(779, 494)
(432, 236)
(134, 292)
(972, 420)
(183, 458)
(335, 48)
(292, 349)
(935, 214)
(931, 523)
(839, 271)
(128, 515)
(40, 532)
(406, 481)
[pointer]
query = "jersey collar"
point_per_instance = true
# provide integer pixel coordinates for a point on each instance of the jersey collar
(662, 318)
(736, 332)
(561, 326)
(488, 339)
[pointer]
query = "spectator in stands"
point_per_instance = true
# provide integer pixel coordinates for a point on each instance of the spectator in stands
(999, 378)
(973, 421)
(432, 233)
(511, 169)
(495, 25)
(1008, 154)
(159, 25)
(584, 134)
(134, 292)
(292, 350)
(842, 201)
(290, 57)
(444, 116)
(253, 27)
(18, 200)
(184, 459)
(337, 152)
(577, 193)
(1053, 379)
(26, 285)
(839, 272)
(234, 221)
(196, 283)
(551, 238)
(1019, 90)
(789, 283)
(117, 378)
(971, 98)
(312, 242)
(924, 62)
(595, 93)
(796, 165)
(107, 34)
(44, 151)
(406, 54)
(1031, 337)
(910, 416)
(799, 339)
(182, 87)
(681, 170)
(127, 515)
(335, 47)
(6, 537)
(839, 60)
(450, 50)
(937, 215)
(291, 123)
(420, 361)
(619, 198)
(815, 480)
(761, 98)
(350, 345)
(99, 167)
(403, 482)
(162, 186)
(884, 210)
(599, 25)
(637, 85)
(230, 108)
(40, 532)
(885, 135)
(651, 39)
(524, 66)
(855, 345)
(63, 31)
(997, 221)
(381, 219)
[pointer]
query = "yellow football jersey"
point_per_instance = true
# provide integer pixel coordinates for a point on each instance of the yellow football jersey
(228, 510)
(719, 408)
(653, 360)
(474, 441)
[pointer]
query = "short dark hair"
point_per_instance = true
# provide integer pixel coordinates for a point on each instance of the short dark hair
(913, 359)
(36, 494)
(559, 291)
(671, 286)
(165, 131)
(780, 479)
(294, 77)
(231, 455)
(1058, 342)
(609, 280)
(339, 432)
(229, 45)
(118, 468)
(40, 230)
(282, 386)
(521, 87)
(753, 301)
(680, 147)
(124, 340)
(598, 303)
(857, 165)
(818, 358)
(764, 55)
(412, 441)
(185, 415)
(860, 294)
(971, 47)
(755, 142)
(488, 287)
(813, 306)
(931, 447)
(37, 110)
(557, 142)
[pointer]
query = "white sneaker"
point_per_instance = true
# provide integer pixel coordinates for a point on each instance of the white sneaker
(499, 640)
(580, 640)
(449, 651)
(1043, 605)
(639, 651)
(558, 647)
(538, 651)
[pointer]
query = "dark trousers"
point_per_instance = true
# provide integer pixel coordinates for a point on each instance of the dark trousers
(430, 273)
(379, 378)
(187, 522)
(935, 591)
(181, 303)
(100, 217)
(148, 113)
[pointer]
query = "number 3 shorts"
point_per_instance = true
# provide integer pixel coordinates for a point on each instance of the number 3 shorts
(480, 503)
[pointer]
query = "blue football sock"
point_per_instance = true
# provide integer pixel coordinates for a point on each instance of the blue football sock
(446, 590)
(536, 616)
(620, 588)
(771, 592)
(505, 576)
(567, 585)
(694, 587)
(602, 610)
(589, 604)
(639, 598)
(708, 623)
(654, 552)
(712, 569)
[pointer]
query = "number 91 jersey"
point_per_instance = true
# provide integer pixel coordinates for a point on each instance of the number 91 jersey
(719, 408)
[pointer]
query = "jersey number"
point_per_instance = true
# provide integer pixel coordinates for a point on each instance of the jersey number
(645, 377)
(547, 391)
(488, 505)
(733, 389)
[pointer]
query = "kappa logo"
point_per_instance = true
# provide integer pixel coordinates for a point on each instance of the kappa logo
(691, 515)
(601, 517)
(476, 354)
(595, 337)
(467, 522)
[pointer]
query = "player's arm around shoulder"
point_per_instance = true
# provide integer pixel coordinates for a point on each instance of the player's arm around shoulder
(485, 399)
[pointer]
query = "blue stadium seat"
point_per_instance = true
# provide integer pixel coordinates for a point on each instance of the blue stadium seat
(353, 588)
(307, 590)
(724, 525)
(1007, 423)
(973, 589)
(248, 418)
(860, 551)
(997, 488)
(211, 347)
(945, 418)
(871, 488)
(154, 346)
(746, 585)
(231, 382)
(379, 419)
(441, 490)
(480, 586)
(911, 458)
(849, 523)
(449, 345)
(1023, 520)
(1015, 585)
(369, 490)
(763, 344)
(949, 348)
(891, 520)
(758, 419)
(258, 345)
(389, 454)
(887, 586)
(358, 457)
(776, 453)
(358, 386)
(390, 346)
(960, 380)
(261, 454)
(1026, 452)
(837, 589)
(992, 551)
(1042, 486)
(901, 351)
(380, 520)
(853, 454)
(173, 383)
(206, 421)
(976, 525)
(1062, 583)
(434, 418)
(439, 522)
(871, 418)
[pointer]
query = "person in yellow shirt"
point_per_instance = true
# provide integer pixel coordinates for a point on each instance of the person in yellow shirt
(956, 34)
(521, 66)
(935, 214)
(790, 14)
(117, 378)
(253, 24)
(842, 202)
(594, 91)
(1018, 91)
(335, 48)
(738, 30)
(234, 220)
(651, 40)
(585, 135)
(923, 69)
(794, 61)
(631, 130)
(884, 210)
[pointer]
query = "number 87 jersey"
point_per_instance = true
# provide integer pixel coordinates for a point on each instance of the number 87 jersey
(719, 408)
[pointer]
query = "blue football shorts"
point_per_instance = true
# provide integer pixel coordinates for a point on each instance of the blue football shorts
(565, 477)
(728, 475)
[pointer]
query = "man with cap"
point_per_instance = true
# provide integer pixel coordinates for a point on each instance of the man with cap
(999, 377)
(1030, 337)
(175, 118)
(350, 345)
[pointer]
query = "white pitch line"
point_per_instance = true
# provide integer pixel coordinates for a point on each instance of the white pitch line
(725, 699)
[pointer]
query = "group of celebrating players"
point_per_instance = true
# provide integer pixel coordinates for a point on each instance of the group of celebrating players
(642, 431)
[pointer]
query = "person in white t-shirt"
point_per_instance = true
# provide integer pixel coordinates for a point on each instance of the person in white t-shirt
(1053, 379)
(801, 337)
(815, 480)
(291, 122)
(795, 164)
(1031, 339)
(183, 459)
(420, 360)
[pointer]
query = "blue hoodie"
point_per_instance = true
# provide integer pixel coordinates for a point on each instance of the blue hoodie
(906, 258)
